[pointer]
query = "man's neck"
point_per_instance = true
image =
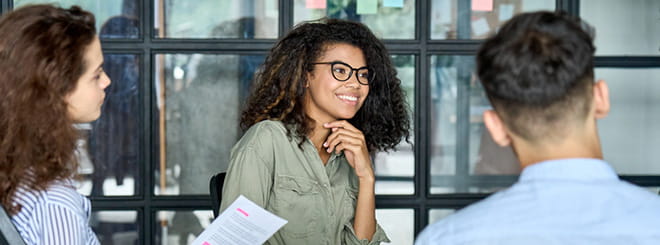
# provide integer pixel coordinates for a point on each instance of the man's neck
(583, 145)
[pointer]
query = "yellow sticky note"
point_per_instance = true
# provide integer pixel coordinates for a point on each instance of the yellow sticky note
(367, 6)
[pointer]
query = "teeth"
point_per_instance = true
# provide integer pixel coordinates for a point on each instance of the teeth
(346, 97)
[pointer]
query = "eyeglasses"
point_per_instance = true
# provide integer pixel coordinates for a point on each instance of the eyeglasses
(342, 72)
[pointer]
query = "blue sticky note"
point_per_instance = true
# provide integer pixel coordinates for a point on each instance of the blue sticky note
(367, 6)
(393, 3)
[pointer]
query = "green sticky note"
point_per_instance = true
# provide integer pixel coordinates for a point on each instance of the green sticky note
(367, 6)
(393, 3)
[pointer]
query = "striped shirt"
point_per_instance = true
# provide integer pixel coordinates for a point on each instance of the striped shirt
(58, 215)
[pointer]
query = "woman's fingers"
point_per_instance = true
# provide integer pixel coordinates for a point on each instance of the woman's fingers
(342, 139)
(341, 124)
(340, 132)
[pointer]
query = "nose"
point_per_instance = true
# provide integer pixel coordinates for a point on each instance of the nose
(353, 82)
(105, 81)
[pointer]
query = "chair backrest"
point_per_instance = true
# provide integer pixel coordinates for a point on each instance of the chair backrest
(215, 188)
(8, 232)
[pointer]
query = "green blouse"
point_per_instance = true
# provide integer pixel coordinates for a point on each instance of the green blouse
(318, 201)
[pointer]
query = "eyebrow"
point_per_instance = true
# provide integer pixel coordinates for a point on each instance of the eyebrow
(99, 68)
(340, 61)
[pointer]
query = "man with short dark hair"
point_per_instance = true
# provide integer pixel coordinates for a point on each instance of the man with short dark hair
(538, 75)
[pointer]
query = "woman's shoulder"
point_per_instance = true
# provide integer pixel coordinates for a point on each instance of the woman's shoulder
(268, 126)
(264, 133)
(64, 193)
(60, 194)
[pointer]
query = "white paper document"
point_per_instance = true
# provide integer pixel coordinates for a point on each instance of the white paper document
(242, 223)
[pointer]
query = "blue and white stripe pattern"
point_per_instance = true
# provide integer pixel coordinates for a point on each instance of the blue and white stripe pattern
(59, 215)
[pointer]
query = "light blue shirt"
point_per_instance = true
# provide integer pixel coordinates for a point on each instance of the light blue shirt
(58, 215)
(569, 201)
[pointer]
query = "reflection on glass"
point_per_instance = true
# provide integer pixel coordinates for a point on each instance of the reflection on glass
(630, 135)
(486, 157)
(398, 224)
(453, 81)
(395, 169)
(199, 102)
(436, 215)
(117, 19)
(116, 227)
(386, 19)
(624, 27)
(452, 19)
(250, 19)
(180, 227)
(109, 155)
(446, 74)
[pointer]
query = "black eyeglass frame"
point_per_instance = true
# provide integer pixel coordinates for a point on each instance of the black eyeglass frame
(350, 73)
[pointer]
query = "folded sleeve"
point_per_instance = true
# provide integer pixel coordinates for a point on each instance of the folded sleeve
(249, 174)
(351, 239)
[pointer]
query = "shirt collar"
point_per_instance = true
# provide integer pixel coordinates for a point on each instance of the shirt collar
(569, 169)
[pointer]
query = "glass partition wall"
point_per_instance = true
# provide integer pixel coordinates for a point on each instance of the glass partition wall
(182, 69)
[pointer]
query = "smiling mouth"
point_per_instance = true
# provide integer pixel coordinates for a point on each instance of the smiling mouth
(352, 100)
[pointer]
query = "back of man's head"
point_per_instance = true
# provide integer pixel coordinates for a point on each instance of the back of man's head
(538, 73)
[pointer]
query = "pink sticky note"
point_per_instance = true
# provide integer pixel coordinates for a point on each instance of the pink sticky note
(206, 243)
(316, 4)
(482, 5)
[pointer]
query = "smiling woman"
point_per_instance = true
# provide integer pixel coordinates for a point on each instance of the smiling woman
(312, 122)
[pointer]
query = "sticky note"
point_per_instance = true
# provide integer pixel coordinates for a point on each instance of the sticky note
(316, 4)
(505, 12)
(367, 6)
(482, 5)
(393, 3)
(480, 27)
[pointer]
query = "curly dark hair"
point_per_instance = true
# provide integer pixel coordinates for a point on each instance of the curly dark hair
(278, 92)
(41, 58)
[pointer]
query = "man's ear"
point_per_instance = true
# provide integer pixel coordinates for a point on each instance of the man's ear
(496, 128)
(601, 99)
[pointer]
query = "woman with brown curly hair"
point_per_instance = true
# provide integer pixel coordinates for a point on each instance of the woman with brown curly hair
(325, 99)
(50, 61)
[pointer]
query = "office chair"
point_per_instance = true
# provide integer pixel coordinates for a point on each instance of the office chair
(215, 187)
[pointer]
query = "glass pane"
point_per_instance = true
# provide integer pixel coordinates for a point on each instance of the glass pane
(445, 74)
(395, 170)
(387, 19)
(486, 157)
(199, 102)
(180, 227)
(624, 27)
(109, 155)
(630, 134)
(398, 224)
(449, 18)
(436, 215)
(114, 19)
(250, 19)
(453, 82)
(116, 227)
